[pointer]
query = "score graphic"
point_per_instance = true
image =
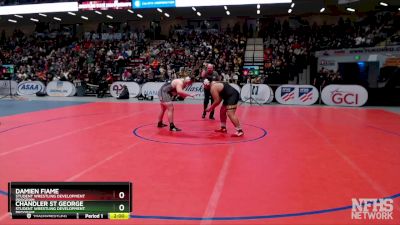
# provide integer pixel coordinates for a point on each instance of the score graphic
(70, 200)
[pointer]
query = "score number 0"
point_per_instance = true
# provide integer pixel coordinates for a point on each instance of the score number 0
(121, 195)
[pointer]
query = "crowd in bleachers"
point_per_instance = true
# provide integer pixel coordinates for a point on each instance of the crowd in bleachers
(287, 50)
(63, 57)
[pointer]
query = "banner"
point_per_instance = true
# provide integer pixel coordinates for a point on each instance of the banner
(259, 92)
(39, 8)
(344, 95)
(105, 5)
(197, 89)
(151, 88)
(60, 89)
(141, 4)
(297, 94)
(237, 88)
(5, 87)
(347, 51)
(30, 87)
(117, 87)
(271, 97)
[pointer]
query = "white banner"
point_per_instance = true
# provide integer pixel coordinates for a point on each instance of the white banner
(237, 88)
(117, 87)
(296, 94)
(197, 89)
(344, 95)
(271, 97)
(5, 87)
(152, 88)
(259, 92)
(60, 89)
(30, 87)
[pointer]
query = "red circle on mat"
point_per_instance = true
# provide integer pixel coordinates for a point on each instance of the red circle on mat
(198, 132)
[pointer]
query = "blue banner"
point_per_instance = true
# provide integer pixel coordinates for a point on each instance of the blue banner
(143, 4)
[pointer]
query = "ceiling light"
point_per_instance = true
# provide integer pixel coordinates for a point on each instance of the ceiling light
(18, 16)
(84, 17)
(110, 17)
(139, 15)
(56, 18)
(350, 9)
(322, 10)
(166, 14)
(71, 13)
(258, 12)
(130, 11)
(291, 6)
(290, 11)
(228, 13)
(383, 4)
(198, 13)
(41, 14)
(98, 12)
(258, 6)
(34, 20)
(194, 9)
(160, 10)
(12, 21)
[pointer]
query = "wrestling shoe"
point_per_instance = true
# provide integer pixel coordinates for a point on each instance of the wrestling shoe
(161, 125)
(238, 133)
(174, 129)
(222, 130)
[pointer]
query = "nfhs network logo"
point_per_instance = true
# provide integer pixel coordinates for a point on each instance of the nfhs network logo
(372, 209)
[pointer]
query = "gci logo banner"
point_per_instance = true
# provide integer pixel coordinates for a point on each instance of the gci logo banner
(344, 95)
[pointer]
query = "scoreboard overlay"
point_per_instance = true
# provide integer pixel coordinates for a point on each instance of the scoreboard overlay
(70, 200)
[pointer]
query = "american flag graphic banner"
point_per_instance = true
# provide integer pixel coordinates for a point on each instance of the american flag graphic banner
(305, 94)
(288, 93)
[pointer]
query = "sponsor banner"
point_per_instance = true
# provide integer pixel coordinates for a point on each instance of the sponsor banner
(344, 95)
(117, 87)
(105, 5)
(259, 92)
(60, 89)
(296, 94)
(271, 98)
(152, 88)
(373, 50)
(30, 87)
(140, 4)
(39, 8)
(197, 89)
(5, 87)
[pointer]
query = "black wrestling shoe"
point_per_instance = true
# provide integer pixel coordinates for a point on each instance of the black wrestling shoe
(161, 125)
(172, 127)
(204, 115)
(212, 118)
